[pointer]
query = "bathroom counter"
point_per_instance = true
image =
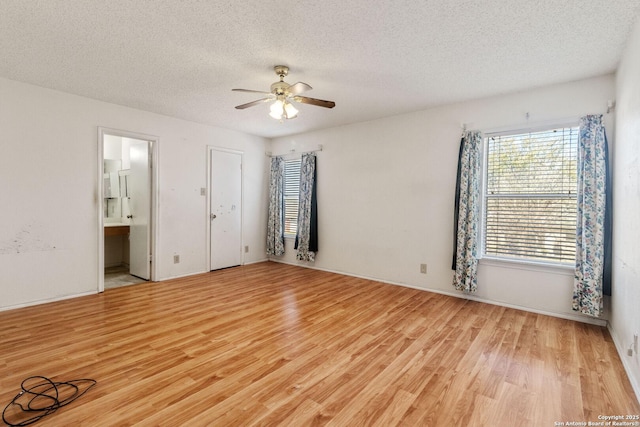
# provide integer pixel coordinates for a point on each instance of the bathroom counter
(116, 229)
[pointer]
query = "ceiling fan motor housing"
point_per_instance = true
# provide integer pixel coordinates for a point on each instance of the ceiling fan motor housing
(279, 88)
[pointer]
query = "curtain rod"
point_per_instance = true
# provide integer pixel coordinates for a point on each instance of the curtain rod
(533, 128)
(293, 151)
(562, 122)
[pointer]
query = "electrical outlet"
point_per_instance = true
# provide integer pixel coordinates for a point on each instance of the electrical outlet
(203, 191)
(246, 249)
(423, 268)
(176, 259)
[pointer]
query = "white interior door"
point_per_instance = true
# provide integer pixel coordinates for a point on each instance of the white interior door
(225, 209)
(139, 182)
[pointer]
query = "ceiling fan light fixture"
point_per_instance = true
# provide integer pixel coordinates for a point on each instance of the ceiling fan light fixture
(290, 111)
(277, 110)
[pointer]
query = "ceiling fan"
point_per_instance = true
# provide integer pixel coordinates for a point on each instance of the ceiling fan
(282, 93)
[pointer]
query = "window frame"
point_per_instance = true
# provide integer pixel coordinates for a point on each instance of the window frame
(505, 261)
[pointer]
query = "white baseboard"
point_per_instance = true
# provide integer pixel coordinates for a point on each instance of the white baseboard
(180, 276)
(622, 352)
(256, 262)
(48, 300)
(576, 317)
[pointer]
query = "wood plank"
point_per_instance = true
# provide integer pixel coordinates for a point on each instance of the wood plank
(272, 344)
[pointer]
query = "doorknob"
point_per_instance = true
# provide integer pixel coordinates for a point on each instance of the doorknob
(213, 216)
(129, 216)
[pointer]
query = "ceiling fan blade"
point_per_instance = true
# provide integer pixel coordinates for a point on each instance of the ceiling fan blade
(314, 101)
(252, 91)
(299, 87)
(251, 104)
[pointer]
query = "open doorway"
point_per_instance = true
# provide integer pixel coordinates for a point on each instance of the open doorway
(126, 207)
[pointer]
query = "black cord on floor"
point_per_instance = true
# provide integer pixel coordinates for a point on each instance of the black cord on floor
(40, 396)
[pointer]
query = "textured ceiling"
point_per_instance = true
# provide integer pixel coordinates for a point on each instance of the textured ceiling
(374, 58)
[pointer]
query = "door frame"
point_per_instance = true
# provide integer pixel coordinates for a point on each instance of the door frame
(153, 229)
(210, 149)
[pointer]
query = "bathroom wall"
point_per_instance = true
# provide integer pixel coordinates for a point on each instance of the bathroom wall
(116, 152)
(116, 159)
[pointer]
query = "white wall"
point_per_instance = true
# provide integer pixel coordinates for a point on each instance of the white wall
(625, 301)
(48, 176)
(386, 193)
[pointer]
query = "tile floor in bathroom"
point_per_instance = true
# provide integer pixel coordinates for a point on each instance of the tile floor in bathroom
(114, 277)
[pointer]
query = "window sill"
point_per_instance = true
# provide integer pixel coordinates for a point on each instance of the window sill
(562, 269)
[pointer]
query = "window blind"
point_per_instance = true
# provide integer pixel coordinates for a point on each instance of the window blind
(530, 195)
(291, 194)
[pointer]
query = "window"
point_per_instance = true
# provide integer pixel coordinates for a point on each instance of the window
(291, 193)
(530, 201)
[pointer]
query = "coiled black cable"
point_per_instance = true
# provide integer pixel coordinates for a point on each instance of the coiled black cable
(39, 396)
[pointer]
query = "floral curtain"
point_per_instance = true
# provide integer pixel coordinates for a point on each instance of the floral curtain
(275, 225)
(593, 217)
(465, 262)
(307, 235)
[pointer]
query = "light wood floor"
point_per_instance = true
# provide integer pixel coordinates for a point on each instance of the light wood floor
(271, 344)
